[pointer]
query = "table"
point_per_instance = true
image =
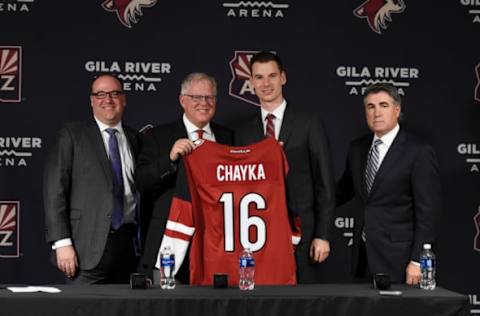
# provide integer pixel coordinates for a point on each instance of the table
(318, 299)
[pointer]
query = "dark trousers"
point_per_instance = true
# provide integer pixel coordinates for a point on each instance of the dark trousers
(362, 273)
(118, 260)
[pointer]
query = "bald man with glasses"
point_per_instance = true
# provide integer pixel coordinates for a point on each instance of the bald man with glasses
(163, 147)
(89, 194)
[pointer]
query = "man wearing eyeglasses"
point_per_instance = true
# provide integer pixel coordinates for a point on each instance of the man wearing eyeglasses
(310, 182)
(163, 147)
(89, 195)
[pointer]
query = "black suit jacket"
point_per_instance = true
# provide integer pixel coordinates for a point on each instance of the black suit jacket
(77, 189)
(401, 212)
(156, 176)
(310, 181)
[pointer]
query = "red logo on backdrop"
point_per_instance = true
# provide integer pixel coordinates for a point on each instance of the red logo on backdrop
(9, 229)
(477, 88)
(127, 11)
(10, 73)
(240, 86)
(476, 239)
(378, 12)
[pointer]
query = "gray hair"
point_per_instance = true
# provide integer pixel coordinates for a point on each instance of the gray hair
(197, 76)
(384, 87)
(389, 89)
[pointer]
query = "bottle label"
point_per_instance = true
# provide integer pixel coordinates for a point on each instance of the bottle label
(427, 263)
(167, 261)
(247, 262)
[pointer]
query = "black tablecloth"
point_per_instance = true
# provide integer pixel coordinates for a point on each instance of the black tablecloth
(318, 299)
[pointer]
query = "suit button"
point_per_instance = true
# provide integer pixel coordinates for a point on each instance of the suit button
(109, 215)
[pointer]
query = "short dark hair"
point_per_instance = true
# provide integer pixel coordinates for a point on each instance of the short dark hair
(265, 57)
(384, 87)
(107, 74)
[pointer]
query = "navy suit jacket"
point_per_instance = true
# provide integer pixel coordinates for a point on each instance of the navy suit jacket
(401, 211)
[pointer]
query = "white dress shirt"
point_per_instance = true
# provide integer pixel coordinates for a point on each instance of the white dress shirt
(277, 122)
(192, 130)
(387, 141)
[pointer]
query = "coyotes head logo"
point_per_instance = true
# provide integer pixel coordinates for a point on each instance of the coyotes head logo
(127, 10)
(377, 12)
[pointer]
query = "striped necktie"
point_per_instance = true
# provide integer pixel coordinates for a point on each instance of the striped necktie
(270, 130)
(373, 163)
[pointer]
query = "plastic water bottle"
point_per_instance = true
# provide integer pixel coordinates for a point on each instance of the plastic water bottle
(167, 267)
(427, 266)
(247, 270)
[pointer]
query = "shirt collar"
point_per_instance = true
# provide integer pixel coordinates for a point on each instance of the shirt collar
(388, 138)
(278, 112)
(192, 127)
(102, 126)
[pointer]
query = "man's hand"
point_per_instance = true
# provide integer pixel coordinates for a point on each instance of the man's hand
(414, 275)
(319, 249)
(67, 260)
(182, 147)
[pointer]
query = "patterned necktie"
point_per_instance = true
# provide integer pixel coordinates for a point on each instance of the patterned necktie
(372, 164)
(118, 189)
(200, 133)
(270, 130)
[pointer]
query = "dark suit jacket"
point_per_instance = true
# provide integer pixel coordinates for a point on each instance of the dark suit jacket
(310, 181)
(77, 189)
(156, 176)
(400, 213)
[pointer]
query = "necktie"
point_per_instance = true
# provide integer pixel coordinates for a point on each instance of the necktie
(270, 130)
(118, 190)
(372, 164)
(200, 133)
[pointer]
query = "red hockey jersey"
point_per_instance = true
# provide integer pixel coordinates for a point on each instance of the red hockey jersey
(230, 198)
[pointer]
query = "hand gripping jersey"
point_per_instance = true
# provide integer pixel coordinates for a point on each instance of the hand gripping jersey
(227, 199)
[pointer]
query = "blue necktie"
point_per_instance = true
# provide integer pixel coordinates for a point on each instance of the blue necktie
(373, 163)
(118, 191)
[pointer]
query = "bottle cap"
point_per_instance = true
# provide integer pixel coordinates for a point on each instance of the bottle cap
(427, 246)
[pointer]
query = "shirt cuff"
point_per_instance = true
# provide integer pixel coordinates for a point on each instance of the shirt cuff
(415, 263)
(62, 243)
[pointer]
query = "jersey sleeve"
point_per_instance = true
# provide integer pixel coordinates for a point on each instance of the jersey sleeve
(180, 224)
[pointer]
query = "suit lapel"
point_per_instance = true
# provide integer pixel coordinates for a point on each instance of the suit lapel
(287, 124)
(220, 137)
(95, 137)
(257, 132)
(180, 130)
(393, 154)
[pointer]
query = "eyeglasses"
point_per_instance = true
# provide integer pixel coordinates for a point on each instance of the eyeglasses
(200, 98)
(112, 94)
